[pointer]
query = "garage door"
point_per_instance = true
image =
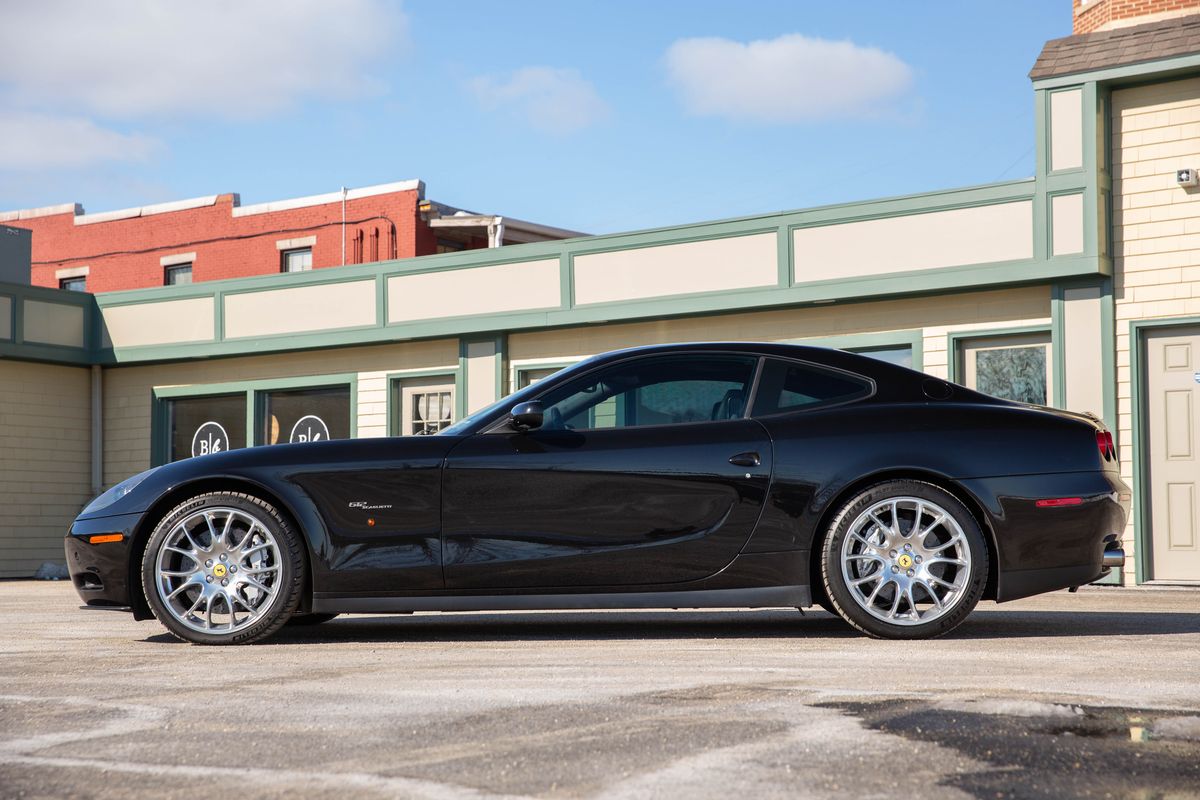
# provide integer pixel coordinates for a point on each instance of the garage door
(1173, 416)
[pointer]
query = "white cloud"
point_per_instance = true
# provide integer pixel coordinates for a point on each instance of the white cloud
(74, 74)
(223, 58)
(33, 140)
(793, 78)
(557, 101)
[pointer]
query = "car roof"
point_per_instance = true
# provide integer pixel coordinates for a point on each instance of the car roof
(893, 382)
(828, 356)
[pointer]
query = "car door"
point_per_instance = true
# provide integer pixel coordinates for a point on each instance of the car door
(644, 472)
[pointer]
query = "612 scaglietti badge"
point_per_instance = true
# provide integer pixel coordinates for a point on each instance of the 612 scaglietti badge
(726, 475)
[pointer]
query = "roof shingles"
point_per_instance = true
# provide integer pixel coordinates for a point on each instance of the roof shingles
(1115, 48)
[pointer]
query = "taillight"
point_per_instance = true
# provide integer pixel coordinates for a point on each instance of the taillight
(1104, 441)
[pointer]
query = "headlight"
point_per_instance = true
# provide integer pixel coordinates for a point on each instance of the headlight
(116, 493)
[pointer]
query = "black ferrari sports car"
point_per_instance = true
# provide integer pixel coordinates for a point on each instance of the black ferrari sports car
(716, 475)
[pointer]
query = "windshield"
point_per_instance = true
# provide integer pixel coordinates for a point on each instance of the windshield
(531, 391)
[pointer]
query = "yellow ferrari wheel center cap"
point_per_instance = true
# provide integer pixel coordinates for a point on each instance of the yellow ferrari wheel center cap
(219, 570)
(905, 561)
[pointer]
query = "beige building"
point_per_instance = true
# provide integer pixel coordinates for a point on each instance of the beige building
(1078, 288)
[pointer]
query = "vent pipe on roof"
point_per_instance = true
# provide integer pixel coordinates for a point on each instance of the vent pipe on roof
(496, 232)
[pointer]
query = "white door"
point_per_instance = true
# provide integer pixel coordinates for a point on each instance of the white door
(1172, 404)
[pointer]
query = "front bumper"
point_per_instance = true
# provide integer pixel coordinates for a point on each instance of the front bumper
(102, 573)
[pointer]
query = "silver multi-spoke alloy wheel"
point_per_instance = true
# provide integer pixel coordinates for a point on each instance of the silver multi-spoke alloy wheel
(218, 570)
(903, 559)
(906, 561)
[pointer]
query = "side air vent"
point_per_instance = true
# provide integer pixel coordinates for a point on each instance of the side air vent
(937, 390)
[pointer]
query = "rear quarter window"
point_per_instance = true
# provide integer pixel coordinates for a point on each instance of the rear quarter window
(788, 386)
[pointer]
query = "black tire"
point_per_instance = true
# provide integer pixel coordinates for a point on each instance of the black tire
(302, 620)
(846, 603)
(281, 605)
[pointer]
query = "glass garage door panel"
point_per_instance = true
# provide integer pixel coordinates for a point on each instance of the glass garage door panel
(202, 425)
(306, 415)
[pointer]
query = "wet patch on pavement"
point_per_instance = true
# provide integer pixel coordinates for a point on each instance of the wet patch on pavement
(1051, 751)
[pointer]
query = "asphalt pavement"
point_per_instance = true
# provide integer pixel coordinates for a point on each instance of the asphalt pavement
(1094, 694)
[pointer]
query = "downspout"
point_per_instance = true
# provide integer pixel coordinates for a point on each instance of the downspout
(343, 226)
(97, 430)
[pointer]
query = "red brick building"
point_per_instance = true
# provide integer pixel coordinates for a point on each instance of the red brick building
(215, 237)
(1103, 15)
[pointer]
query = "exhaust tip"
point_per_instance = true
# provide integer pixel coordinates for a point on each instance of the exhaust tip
(1114, 557)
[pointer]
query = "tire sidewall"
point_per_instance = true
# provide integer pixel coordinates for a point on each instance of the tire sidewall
(280, 607)
(839, 593)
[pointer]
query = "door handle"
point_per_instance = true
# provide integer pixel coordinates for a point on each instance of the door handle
(745, 460)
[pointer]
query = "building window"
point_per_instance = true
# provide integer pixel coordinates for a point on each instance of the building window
(296, 260)
(422, 406)
(178, 275)
(199, 426)
(900, 354)
(73, 284)
(1016, 367)
(305, 415)
(531, 375)
(431, 411)
(449, 246)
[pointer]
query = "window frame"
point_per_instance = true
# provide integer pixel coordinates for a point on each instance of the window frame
(864, 344)
(870, 386)
(959, 341)
(395, 395)
(283, 259)
(520, 370)
(255, 393)
(163, 416)
(169, 269)
(65, 283)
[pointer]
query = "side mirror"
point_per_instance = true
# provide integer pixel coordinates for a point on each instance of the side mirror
(528, 416)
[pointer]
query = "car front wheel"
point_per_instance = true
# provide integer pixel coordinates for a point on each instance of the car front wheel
(223, 568)
(904, 559)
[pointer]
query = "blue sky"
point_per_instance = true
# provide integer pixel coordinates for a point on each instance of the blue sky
(595, 116)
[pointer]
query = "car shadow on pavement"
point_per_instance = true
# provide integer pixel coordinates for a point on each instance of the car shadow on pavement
(615, 625)
(998, 623)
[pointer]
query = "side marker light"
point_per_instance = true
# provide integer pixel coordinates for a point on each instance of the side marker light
(1054, 502)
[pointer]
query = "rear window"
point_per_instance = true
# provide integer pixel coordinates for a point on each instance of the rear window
(788, 386)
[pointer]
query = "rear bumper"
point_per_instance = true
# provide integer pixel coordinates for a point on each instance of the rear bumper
(101, 573)
(1042, 549)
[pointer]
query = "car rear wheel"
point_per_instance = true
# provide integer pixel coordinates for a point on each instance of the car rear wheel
(904, 560)
(223, 568)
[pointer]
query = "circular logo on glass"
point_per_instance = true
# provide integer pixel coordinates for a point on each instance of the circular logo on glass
(209, 438)
(309, 428)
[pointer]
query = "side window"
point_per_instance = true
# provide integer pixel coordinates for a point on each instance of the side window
(788, 386)
(667, 390)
